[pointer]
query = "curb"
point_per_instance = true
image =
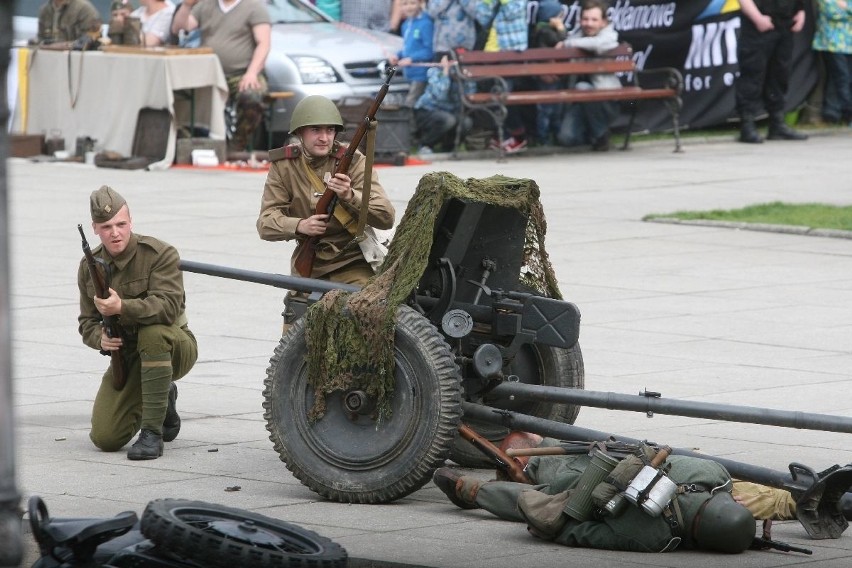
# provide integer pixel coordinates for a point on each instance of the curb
(765, 227)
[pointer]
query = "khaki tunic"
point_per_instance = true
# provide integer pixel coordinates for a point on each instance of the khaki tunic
(149, 282)
(68, 22)
(289, 197)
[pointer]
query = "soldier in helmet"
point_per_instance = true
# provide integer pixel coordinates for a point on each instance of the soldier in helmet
(703, 515)
(299, 174)
(67, 20)
(146, 294)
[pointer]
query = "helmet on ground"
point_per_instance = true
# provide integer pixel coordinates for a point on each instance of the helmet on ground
(723, 525)
(315, 110)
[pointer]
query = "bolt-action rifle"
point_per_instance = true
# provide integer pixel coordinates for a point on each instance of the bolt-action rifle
(110, 323)
(328, 201)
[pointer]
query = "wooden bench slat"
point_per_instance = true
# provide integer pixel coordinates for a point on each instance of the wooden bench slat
(550, 68)
(538, 54)
(573, 96)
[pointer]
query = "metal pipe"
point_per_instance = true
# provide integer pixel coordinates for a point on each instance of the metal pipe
(658, 405)
(562, 431)
(11, 545)
(295, 283)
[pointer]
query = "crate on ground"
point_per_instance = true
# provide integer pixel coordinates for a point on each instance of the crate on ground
(185, 146)
(393, 135)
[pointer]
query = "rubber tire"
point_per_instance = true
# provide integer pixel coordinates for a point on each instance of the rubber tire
(180, 526)
(555, 367)
(354, 460)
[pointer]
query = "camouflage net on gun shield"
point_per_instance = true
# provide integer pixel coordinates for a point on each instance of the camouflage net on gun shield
(350, 336)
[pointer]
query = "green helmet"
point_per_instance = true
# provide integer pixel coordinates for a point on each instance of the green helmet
(315, 110)
(723, 525)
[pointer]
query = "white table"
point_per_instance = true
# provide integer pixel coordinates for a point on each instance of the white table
(111, 88)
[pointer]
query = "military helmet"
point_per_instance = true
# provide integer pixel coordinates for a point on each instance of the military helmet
(723, 525)
(315, 110)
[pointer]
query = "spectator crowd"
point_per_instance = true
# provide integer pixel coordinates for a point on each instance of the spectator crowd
(239, 33)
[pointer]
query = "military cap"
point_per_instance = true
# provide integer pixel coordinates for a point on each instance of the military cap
(105, 203)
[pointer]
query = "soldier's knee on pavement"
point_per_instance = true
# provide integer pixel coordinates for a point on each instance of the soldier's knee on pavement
(107, 440)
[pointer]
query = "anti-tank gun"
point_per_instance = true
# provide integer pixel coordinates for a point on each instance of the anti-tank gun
(477, 337)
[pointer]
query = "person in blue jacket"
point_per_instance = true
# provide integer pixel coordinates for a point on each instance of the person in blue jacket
(417, 36)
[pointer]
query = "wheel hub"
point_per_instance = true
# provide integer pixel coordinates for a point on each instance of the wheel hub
(359, 403)
(246, 531)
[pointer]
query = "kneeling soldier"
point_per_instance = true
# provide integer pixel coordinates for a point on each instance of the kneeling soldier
(145, 293)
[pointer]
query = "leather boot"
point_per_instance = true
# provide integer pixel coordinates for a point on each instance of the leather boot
(460, 489)
(778, 129)
(748, 131)
(171, 425)
(149, 446)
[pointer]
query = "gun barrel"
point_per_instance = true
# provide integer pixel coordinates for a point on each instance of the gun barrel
(295, 283)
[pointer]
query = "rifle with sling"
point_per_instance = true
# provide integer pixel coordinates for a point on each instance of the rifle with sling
(110, 323)
(328, 201)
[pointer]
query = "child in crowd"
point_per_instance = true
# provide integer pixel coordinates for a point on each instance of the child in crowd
(436, 112)
(548, 31)
(417, 34)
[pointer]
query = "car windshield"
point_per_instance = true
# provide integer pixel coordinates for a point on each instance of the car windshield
(293, 12)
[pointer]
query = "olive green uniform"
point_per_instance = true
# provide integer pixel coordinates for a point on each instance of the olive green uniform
(291, 194)
(69, 21)
(633, 530)
(158, 346)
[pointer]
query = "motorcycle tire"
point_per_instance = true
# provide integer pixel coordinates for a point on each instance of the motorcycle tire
(223, 537)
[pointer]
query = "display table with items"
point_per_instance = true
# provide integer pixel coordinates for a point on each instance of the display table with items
(106, 95)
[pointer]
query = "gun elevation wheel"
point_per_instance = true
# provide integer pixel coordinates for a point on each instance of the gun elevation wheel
(536, 365)
(348, 455)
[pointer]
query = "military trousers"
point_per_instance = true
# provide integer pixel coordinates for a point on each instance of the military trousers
(247, 110)
(117, 415)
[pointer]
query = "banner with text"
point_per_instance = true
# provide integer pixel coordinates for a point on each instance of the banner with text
(699, 38)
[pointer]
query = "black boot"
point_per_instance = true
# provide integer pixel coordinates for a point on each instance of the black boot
(778, 129)
(149, 446)
(748, 131)
(171, 425)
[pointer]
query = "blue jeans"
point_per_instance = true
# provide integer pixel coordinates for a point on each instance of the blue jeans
(585, 123)
(438, 126)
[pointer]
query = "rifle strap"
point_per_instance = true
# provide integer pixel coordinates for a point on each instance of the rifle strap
(368, 178)
(341, 214)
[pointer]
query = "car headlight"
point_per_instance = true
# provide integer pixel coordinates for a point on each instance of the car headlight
(315, 70)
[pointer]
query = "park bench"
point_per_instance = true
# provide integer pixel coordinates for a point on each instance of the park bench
(489, 71)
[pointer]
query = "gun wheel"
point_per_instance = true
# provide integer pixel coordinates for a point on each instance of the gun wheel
(537, 365)
(350, 457)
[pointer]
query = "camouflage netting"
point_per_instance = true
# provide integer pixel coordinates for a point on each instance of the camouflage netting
(350, 335)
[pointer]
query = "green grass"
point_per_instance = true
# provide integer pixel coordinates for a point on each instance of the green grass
(813, 215)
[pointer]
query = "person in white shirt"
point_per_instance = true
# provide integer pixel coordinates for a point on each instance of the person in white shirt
(156, 18)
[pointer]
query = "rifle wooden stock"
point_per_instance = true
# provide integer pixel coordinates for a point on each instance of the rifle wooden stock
(328, 201)
(110, 323)
(511, 466)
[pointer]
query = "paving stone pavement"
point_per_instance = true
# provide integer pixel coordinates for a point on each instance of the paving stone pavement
(694, 312)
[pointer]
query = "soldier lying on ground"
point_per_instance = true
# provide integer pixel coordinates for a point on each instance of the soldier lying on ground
(709, 510)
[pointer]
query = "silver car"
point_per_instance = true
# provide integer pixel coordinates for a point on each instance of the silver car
(314, 55)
